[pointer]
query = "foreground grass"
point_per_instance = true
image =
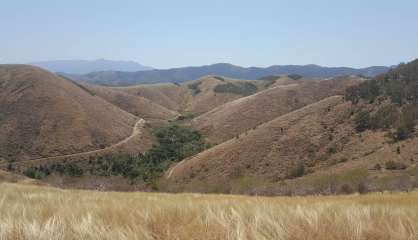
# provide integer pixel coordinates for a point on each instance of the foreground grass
(37, 212)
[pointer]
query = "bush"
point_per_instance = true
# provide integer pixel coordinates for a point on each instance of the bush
(345, 189)
(34, 172)
(406, 126)
(362, 121)
(195, 87)
(297, 171)
(392, 165)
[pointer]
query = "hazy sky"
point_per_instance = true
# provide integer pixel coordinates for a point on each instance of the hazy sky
(174, 33)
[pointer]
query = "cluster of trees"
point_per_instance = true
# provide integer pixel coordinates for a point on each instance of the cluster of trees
(174, 144)
(295, 76)
(241, 88)
(195, 87)
(400, 86)
(400, 122)
(68, 169)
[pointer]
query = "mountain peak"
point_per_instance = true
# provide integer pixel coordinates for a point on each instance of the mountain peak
(86, 66)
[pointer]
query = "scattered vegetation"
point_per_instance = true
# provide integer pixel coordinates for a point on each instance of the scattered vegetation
(392, 165)
(195, 87)
(68, 169)
(295, 76)
(400, 87)
(241, 88)
(186, 116)
(362, 121)
(174, 144)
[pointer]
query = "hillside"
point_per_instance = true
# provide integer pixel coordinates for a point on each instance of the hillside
(212, 91)
(168, 95)
(201, 95)
(133, 103)
(233, 118)
(179, 75)
(310, 150)
(45, 115)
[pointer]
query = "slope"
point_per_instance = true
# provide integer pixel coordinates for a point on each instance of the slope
(233, 118)
(45, 115)
(137, 105)
(311, 150)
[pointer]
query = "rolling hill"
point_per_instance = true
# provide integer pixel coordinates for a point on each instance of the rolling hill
(46, 115)
(133, 103)
(236, 117)
(179, 75)
(198, 96)
(315, 149)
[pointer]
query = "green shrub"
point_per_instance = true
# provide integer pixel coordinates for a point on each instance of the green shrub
(36, 172)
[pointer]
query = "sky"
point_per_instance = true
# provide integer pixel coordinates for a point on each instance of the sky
(166, 34)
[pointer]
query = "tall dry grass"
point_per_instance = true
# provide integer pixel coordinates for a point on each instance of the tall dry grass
(38, 212)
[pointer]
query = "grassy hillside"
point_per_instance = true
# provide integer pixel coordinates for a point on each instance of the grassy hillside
(197, 96)
(168, 95)
(236, 117)
(46, 115)
(132, 103)
(302, 152)
(33, 212)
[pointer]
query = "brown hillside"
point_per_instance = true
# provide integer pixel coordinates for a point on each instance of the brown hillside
(198, 96)
(132, 103)
(45, 115)
(320, 137)
(205, 98)
(168, 95)
(233, 118)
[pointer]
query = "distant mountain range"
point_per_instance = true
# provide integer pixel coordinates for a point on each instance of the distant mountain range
(178, 75)
(87, 66)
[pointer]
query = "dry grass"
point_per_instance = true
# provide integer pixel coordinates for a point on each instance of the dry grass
(34, 212)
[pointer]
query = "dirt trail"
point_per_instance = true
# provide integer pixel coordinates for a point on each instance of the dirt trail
(135, 132)
(173, 168)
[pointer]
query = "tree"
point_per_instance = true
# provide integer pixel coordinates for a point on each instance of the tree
(362, 121)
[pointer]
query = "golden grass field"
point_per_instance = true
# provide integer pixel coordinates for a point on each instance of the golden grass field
(41, 212)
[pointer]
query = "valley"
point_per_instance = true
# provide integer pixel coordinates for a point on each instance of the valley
(280, 135)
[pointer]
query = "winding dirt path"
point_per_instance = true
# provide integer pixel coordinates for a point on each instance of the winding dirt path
(137, 130)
